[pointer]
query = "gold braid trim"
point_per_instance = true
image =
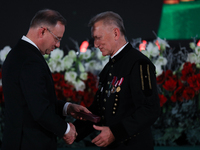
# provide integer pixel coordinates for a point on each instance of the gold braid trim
(149, 77)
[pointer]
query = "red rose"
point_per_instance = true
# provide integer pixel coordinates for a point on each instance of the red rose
(170, 85)
(56, 77)
(188, 70)
(163, 99)
(178, 94)
(188, 93)
(161, 78)
(194, 82)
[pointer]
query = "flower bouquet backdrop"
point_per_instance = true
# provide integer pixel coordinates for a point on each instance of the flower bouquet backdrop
(75, 76)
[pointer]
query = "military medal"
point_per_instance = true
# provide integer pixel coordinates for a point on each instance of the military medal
(118, 89)
(119, 84)
(111, 86)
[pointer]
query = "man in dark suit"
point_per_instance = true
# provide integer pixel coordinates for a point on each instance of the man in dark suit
(33, 115)
(127, 98)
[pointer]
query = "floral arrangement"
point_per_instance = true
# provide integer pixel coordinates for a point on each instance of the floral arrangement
(178, 82)
(75, 74)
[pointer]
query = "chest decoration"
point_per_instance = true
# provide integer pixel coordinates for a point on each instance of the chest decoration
(115, 85)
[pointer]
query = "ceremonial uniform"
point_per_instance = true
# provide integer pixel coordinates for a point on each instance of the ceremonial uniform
(127, 101)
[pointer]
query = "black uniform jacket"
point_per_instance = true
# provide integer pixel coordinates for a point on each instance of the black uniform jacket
(32, 111)
(127, 101)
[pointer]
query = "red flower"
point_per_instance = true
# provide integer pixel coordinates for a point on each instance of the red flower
(178, 94)
(194, 82)
(163, 99)
(188, 70)
(161, 78)
(56, 77)
(170, 85)
(188, 93)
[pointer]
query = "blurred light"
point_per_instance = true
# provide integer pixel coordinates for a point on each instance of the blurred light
(84, 46)
(198, 44)
(157, 43)
(142, 45)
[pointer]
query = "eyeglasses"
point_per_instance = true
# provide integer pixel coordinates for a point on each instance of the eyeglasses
(57, 39)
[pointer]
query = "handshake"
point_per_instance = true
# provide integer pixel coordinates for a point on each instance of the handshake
(105, 138)
(78, 112)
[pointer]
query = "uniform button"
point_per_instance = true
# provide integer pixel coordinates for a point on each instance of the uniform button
(97, 95)
(113, 60)
(116, 95)
(103, 108)
(97, 99)
(102, 117)
(110, 74)
(116, 99)
(115, 104)
(108, 82)
(106, 91)
(104, 100)
(113, 112)
(111, 66)
(114, 108)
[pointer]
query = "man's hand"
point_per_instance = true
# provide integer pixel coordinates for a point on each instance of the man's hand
(73, 109)
(71, 135)
(105, 138)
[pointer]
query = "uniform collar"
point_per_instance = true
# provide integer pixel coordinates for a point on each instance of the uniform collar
(119, 50)
(121, 53)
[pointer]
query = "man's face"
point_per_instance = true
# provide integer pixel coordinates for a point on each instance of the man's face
(52, 37)
(103, 38)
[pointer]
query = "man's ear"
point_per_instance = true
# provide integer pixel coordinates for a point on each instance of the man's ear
(116, 33)
(41, 32)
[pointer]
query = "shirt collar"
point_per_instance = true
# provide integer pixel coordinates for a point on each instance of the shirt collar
(119, 50)
(29, 41)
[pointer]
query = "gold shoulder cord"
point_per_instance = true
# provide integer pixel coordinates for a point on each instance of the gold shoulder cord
(149, 77)
(141, 75)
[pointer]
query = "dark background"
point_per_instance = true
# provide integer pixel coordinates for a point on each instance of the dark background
(141, 17)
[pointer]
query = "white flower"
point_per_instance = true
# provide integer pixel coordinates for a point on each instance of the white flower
(146, 53)
(152, 49)
(4, 52)
(86, 55)
(79, 85)
(57, 54)
(67, 62)
(92, 65)
(99, 54)
(158, 70)
(83, 76)
(163, 43)
(55, 65)
(72, 54)
(70, 76)
(46, 56)
(192, 57)
(161, 61)
(192, 45)
(197, 50)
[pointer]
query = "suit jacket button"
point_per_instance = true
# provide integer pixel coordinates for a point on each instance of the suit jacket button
(113, 112)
